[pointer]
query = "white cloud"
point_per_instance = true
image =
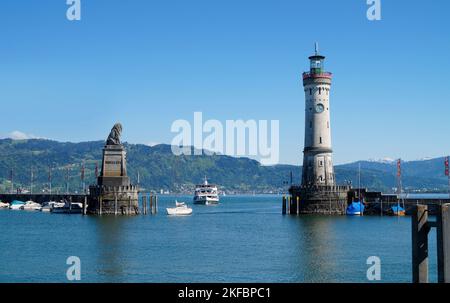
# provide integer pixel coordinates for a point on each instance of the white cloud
(151, 144)
(18, 135)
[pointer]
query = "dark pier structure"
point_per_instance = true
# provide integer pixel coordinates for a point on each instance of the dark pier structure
(421, 227)
(377, 203)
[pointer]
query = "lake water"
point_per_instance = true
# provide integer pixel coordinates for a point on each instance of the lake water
(244, 239)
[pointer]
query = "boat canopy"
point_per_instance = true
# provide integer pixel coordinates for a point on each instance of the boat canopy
(355, 207)
(397, 208)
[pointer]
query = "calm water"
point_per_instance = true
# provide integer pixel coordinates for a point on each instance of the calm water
(245, 239)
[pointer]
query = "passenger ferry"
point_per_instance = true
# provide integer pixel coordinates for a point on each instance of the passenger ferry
(206, 194)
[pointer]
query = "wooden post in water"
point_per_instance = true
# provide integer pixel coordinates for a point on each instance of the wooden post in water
(420, 230)
(115, 204)
(84, 205)
(298, 205)
(381, 207)
(150, 199)
(156, 204)
(443, 243)
(100, 206)
(151, 204)
(144, 204)
(284, 206)
(289, 205)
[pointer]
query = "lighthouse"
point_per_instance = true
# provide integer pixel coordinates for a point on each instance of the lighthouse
(318, 192)
(317, 154)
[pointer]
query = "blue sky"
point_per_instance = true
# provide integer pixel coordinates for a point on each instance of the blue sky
(147, 63)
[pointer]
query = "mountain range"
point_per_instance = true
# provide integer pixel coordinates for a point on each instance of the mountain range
(30, 161)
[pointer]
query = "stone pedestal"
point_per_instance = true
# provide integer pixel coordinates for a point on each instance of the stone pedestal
(323, 200)
(113, 200)
(114, 167)
(113, 194)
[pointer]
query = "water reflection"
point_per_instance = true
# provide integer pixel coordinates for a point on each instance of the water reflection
(111, 254)
(315, 241)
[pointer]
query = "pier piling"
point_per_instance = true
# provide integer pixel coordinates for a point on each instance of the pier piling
(420, 230)
(144, 205)
(151, 204)
(443, 243)
(115, 204)
(284, 205)
(85, 206)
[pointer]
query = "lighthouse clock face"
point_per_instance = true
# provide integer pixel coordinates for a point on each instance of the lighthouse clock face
(319, 108)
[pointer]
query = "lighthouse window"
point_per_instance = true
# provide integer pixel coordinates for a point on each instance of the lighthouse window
(320, 90)
(320, 140)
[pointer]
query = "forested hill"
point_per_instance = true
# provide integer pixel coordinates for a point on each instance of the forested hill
(160, 169)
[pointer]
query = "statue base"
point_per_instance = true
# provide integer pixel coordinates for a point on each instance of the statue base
(322, 200)
(113, 200)
(113, 194)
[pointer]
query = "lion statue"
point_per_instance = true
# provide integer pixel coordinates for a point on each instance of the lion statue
(114, 136)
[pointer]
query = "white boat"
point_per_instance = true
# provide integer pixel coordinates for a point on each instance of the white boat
(206, 194)
(68, 208)
(4, 205)
(48, 206)
(16, 205)
(31, 205)
(181, 209)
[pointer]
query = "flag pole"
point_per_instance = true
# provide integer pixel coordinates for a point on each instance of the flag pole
(447, 173)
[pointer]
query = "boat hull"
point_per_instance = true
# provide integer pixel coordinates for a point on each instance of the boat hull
(179, 212)
(206, 201)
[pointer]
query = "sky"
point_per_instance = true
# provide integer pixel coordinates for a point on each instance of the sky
(148, 63)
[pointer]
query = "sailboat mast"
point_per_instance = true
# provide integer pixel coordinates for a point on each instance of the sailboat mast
(359, 181)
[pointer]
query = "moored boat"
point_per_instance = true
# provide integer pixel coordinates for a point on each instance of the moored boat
(31, 205)
(68, 208)
(397, 210)
(48, 206)
(16, 205)
(4, 205)
(180, 209)
(356, 209)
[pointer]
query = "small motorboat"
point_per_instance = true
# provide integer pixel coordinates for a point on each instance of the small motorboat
(16, 205)
(31, 205)
(48, 206)
(4, 205)
(397, 210)
(181, 209)
(356, 209)
(67, 208)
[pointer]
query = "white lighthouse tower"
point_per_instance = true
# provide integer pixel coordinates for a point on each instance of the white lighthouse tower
(317, 161)
(318, 192)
